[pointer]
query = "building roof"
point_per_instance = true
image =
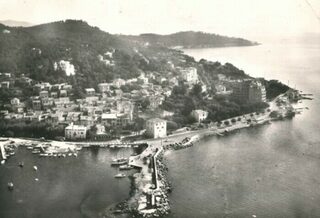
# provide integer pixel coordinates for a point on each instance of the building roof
(156, 120)
(90, 90)
(76, 127)
(108, 116)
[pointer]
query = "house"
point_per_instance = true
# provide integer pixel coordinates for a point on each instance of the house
(90, 91)
(15, 101)
(74, 132)
(87, 121)
(118, 93)
(54, 94)
(5, 84)
(190, 75)
(60, 102)
(46, 103)
(118, 83)
(155, 102)
(63, 93)
(115, 119)
(167, 114)
(44, 94)
(156, 128)
(91, 99)
(58, 117)
(199, 115)
(73, 117)
(101, 130)
(104, 87)
(257, 92)
(109, 119)
(250, 91)
(67, 87)
(36, 104)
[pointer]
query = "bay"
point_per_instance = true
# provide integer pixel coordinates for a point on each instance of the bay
(269, 171)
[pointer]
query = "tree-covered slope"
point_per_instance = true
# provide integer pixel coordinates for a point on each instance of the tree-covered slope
(191, 39)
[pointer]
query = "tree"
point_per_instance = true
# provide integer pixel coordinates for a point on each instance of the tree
(196, 90)
(9, 133)
(227, 123)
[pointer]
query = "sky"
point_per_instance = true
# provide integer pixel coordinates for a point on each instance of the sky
(252, 19)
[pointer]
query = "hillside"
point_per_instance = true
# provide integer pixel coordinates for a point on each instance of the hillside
(191, 39)
(43, 51)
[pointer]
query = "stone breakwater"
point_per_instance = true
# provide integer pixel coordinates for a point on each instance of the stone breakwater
(150, 187)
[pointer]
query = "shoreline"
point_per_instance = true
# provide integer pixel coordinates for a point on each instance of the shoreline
(150, 186)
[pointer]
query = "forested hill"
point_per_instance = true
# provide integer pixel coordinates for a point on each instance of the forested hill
(191, 39)
(95, 55)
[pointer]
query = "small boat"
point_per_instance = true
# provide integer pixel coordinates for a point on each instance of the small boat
(29, 147)
(10, 186)
(120, 175)
(21, 164)
(36, 179)
(35, 168)
(3, 162)
(35, 152)
(119, 161)
(70, 154)
(75, 154)
(125, 167)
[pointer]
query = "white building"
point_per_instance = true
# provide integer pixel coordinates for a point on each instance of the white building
(190, 75)
(118, 83)
(156, 128)
(199, 115)
(257, 92)
(15, 101)
(90, 91)
(75, 132)
(104, 87)
(66, 66)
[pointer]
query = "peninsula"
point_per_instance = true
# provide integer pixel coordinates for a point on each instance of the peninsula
(70, 85)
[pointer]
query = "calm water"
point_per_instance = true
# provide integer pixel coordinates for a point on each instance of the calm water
(67, 187)
(269, 171)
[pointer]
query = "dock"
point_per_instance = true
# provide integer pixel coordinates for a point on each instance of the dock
(3, 152)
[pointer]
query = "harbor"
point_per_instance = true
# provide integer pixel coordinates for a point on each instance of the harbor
(150, 186)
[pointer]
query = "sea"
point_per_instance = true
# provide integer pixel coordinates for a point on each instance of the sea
(266, 171)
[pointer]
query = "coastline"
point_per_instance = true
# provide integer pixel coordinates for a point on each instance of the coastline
(150, 186)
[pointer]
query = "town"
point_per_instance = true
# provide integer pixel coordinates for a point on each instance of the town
(121, 108)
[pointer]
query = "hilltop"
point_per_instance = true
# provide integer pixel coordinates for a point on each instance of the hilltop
(191, 39)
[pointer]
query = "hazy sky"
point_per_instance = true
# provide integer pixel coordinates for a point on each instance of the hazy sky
(253, 19)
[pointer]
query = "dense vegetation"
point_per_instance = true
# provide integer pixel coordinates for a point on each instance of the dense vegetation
(182, 102)
(34, 129)
(34, 50)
